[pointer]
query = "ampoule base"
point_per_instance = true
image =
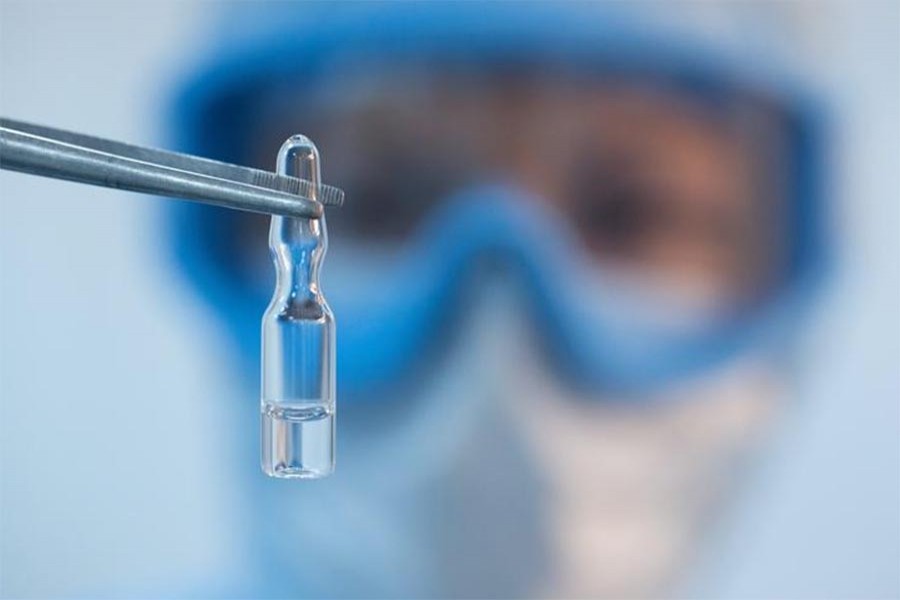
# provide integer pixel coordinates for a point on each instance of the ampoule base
(297, 440)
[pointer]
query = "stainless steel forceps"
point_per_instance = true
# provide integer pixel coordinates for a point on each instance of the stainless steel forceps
(72, 156)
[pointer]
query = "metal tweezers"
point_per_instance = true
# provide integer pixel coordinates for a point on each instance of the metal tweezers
(61, 154)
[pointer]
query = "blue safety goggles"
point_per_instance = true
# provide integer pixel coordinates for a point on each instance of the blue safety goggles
(388, 331)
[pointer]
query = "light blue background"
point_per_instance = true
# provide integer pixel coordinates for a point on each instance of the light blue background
(95, 329)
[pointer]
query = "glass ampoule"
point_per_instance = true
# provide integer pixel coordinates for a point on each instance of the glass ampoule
(298, 339)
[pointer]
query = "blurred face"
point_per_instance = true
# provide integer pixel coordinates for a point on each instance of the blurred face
(557, 490)
(681, 192)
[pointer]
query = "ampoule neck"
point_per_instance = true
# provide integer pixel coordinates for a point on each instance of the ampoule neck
(298, 247)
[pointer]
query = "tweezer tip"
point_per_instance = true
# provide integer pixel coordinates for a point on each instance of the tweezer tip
(331, 196)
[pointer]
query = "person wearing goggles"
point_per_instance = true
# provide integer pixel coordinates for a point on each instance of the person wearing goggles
(569, 264)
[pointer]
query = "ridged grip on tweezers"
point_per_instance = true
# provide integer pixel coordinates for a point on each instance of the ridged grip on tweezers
(326, 194)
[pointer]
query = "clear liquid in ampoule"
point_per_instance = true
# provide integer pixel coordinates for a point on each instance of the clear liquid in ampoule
(297, 439)
(298, 353)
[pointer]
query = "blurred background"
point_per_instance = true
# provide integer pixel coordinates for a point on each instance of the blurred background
(616, 289)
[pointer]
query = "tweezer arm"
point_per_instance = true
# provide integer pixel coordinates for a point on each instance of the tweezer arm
(75, 157)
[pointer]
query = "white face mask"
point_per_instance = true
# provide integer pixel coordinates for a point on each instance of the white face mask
(632, 486)
(493, 479)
